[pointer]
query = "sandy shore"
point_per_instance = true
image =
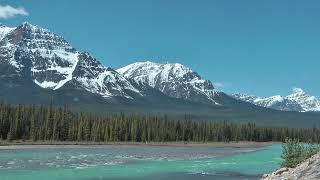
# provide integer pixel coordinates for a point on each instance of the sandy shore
(46, 145)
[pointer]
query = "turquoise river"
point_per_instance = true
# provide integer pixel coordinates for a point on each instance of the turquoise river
(138, 162)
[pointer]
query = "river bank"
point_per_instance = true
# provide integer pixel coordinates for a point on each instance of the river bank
(57, 144)
(308, 170)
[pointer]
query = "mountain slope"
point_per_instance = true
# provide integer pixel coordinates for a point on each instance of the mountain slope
(4, 30)
(174, 80)
(297, 101)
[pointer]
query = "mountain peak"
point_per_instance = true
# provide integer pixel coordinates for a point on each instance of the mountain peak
(158, 72)
(27, 25)
(297, 91)
(151, 63)
(175, 80)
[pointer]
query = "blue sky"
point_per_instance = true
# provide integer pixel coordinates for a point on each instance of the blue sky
(262, 47)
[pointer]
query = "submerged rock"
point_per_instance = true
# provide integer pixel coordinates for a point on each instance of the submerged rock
(307, 170)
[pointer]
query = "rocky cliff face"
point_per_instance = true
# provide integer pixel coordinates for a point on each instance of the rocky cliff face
(307, 170)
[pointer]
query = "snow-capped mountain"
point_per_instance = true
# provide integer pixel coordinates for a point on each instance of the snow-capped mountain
(297, 101)
(51, 63)
(174, 80)
(38, 66)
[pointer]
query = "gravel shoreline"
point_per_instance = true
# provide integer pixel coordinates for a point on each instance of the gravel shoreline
(32, 145)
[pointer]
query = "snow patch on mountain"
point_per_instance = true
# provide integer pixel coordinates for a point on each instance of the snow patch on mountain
(69, 74)
(46, 84)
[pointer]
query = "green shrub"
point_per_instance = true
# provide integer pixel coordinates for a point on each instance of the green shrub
(294, 152)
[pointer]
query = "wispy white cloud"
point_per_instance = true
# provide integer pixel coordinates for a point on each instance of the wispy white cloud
(218, 85)
(7, 11)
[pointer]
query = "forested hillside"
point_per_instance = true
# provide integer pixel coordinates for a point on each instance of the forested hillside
(49, 123)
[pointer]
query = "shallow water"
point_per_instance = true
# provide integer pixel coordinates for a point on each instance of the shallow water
(138, 162)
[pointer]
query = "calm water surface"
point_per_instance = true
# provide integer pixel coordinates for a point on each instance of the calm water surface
(138, 162)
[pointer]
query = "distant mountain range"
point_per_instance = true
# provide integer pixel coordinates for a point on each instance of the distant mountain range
(39, 66)
(297, 101)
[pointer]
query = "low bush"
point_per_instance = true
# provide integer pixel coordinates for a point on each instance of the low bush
(294, 152)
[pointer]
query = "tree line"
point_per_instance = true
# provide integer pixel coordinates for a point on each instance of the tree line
(49, 123)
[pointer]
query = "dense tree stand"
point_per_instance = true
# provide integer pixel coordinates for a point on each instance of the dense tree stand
(49, 123)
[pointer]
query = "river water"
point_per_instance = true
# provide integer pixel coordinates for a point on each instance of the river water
(138, 163)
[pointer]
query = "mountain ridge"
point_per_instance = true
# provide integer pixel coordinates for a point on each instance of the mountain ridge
(298, 100)
(174, 80)
(51, 62)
